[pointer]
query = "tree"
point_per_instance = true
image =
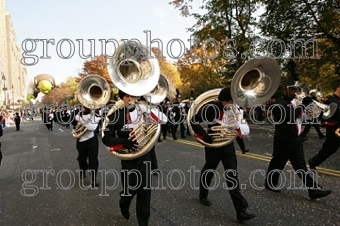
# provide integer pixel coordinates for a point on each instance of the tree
(169, 71)
(229, 23)
(99, 67)
(96, 66)
(224, 31)
(295, 20)
(199, 74)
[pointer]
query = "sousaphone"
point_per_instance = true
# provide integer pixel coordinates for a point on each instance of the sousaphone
(160, 92)
(253, 83)
(93, 92)
(134, 70)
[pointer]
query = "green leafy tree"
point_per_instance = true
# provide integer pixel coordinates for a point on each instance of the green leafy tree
(224, 31)
(230, 23)
(297, 21)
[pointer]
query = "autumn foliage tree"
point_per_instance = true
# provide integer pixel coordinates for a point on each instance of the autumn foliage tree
(169, 71)
(199, 74)
(97, 66)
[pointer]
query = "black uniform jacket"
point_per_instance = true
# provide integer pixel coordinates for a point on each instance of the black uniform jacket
(285, 115)
(115, 133)
(333, 122)
(208, 115)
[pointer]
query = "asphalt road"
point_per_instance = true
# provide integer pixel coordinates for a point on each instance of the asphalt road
(39, 184)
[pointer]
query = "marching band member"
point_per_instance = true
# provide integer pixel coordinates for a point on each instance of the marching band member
(116, 134)
(50, 118)
(225, 154)
(154, 163)
(239, 139)
(87, 144)
(165, 127)
(288, 143)
(311, 122)
(332, 142)
(178, 110)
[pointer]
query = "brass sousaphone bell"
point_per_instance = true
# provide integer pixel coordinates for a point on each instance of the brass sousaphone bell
(315, 108)
(253, 83)
(160, 92)
(134, 70)
(93, 92)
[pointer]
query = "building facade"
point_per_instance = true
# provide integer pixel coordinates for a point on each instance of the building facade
(13, 73)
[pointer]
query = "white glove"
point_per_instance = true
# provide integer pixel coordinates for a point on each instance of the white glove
(244, 127)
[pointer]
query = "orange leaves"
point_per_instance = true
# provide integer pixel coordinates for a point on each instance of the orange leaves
(96, 66)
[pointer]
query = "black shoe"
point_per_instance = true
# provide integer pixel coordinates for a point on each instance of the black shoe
(159, 140)
(244, 216)
(183, 136)
(266, 186)
(175, 138)
(311, 165)
(245, 151)
(318, 193)
(205, 201)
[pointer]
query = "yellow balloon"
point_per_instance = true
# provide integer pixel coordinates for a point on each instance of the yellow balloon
(45, 86)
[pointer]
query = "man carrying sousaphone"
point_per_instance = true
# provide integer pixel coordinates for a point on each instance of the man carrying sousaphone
(86, 123)
(118, 136)
(225, 154)
(288, 145)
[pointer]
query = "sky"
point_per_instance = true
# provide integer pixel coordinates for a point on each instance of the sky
(65, 21)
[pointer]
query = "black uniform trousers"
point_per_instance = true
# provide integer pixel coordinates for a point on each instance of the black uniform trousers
(288, 147)
(181, 126)
(164, 129)
(0, 153)
(226, 155)
(17, 126)
(329, 147)
(309, 126)
(88, 150)
(154, 163)
(172, 129)
(240, 142)
(143, 195)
